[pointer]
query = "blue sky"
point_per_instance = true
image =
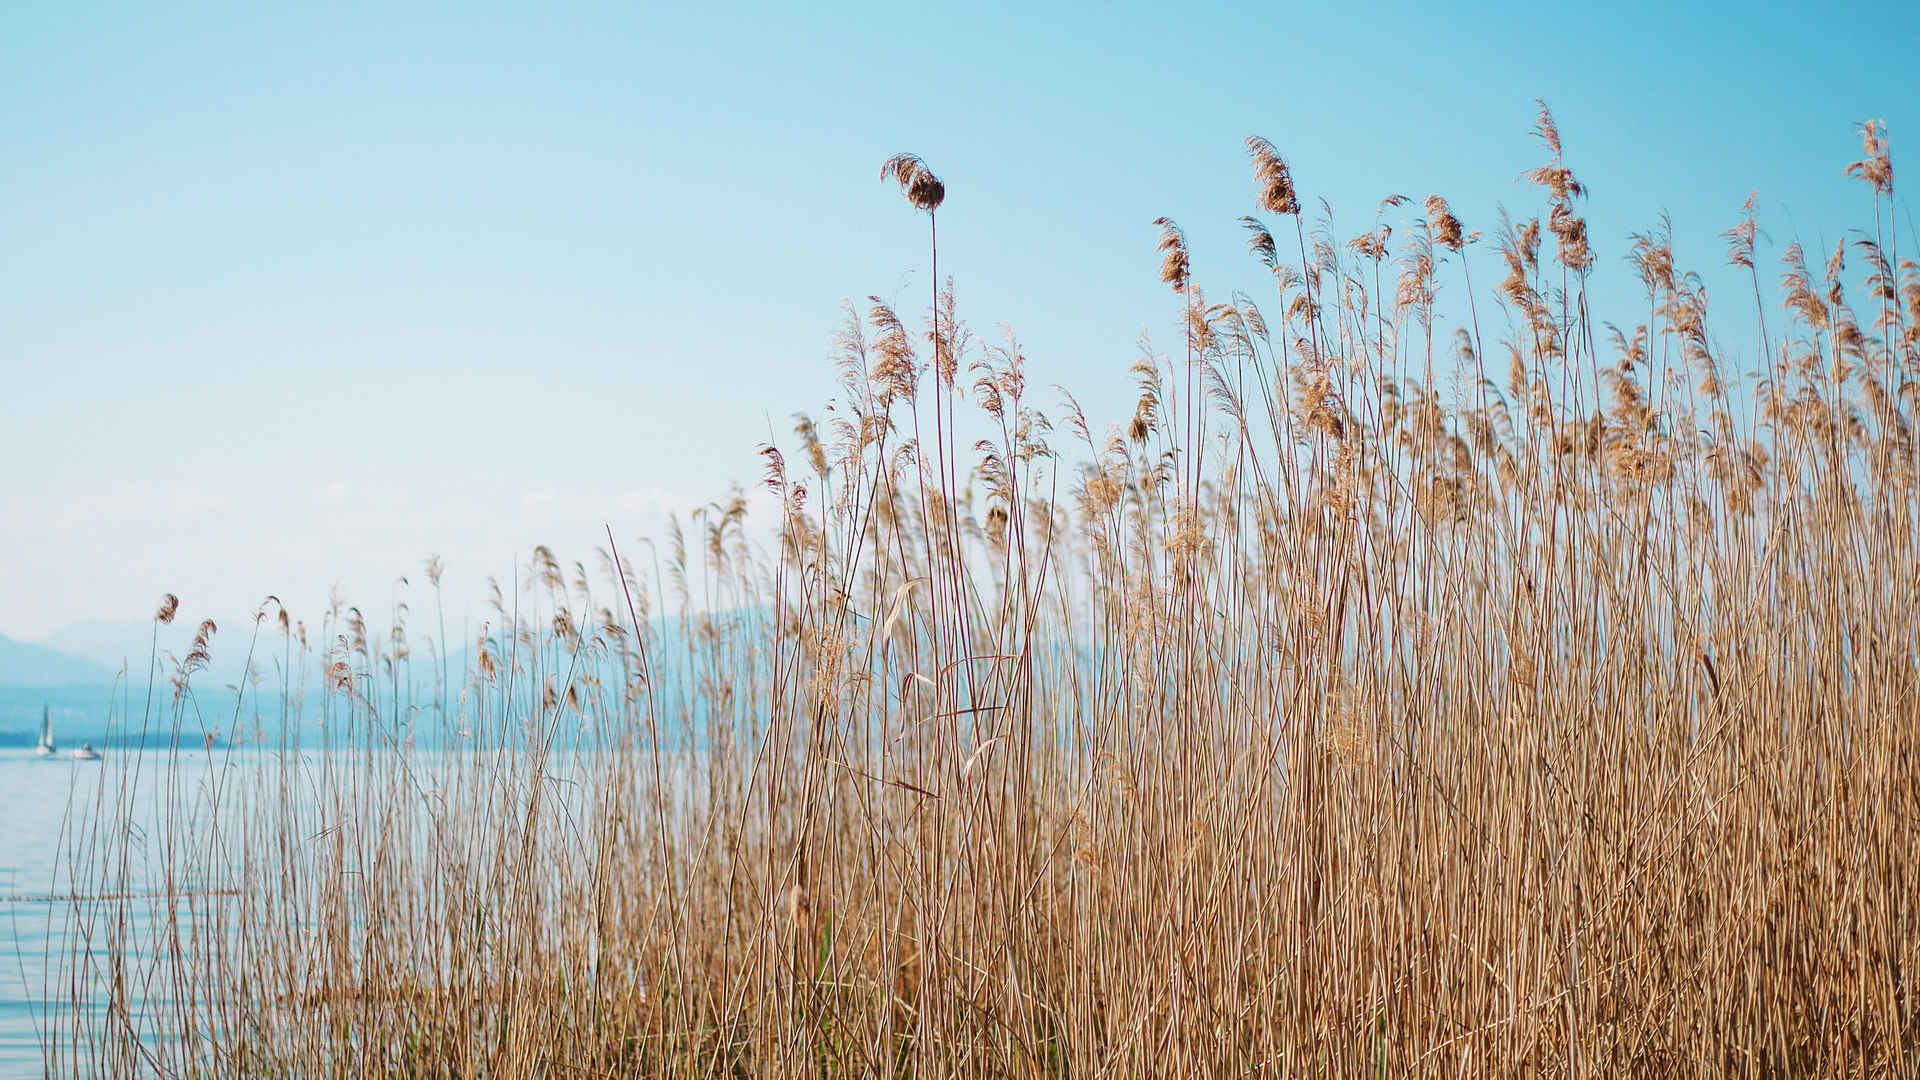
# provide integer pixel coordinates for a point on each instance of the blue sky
(295, 298)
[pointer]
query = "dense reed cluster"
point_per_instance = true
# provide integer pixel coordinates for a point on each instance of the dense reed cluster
(1372, 701)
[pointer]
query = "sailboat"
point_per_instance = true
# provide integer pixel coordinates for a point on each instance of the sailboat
(45, 748)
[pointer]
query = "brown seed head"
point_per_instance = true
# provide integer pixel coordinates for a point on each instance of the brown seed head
(1740, 238)
(1260, 242)
(1174, 262)
(1272, 179)
(169, 605)
(1447, 231)
(917, 182)
(1875, 165)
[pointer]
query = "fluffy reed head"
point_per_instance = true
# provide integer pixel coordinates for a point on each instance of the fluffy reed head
(1554, 176)
(1272, 179)
(1260, 242)
(1740, 238)
(1447, 230)
(1876, 164)
(169, 606)
(917, 182)
(1174, 262)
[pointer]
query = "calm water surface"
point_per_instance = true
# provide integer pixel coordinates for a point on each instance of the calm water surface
(39, 798)
(47, 810)
(47, 843)
(49, 849)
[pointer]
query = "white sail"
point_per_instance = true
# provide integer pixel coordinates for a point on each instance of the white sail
(45, 749)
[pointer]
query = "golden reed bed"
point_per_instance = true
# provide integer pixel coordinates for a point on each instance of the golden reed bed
(1335, 713)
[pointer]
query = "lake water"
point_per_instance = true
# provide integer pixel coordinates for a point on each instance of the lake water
(38, 798)
(49, 849)
(47, 810)
(47, 806)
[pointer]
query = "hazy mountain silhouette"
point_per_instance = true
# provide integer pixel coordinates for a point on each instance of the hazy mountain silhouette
(26, 664)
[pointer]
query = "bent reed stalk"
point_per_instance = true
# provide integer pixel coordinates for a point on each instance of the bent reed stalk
(1566, 727)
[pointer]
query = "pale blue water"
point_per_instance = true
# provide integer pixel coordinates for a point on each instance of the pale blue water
(38, 799)
(49, 847)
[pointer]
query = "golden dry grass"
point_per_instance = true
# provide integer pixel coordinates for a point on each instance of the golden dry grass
(1315, 722)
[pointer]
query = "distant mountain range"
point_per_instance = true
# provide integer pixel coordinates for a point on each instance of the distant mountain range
(75, 690)
(109, 644)
(72, 673)
(109, 647)
(95, 670)
(26, 664)
(76, 673)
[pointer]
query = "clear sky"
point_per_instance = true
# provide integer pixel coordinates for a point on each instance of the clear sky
(295, 298)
